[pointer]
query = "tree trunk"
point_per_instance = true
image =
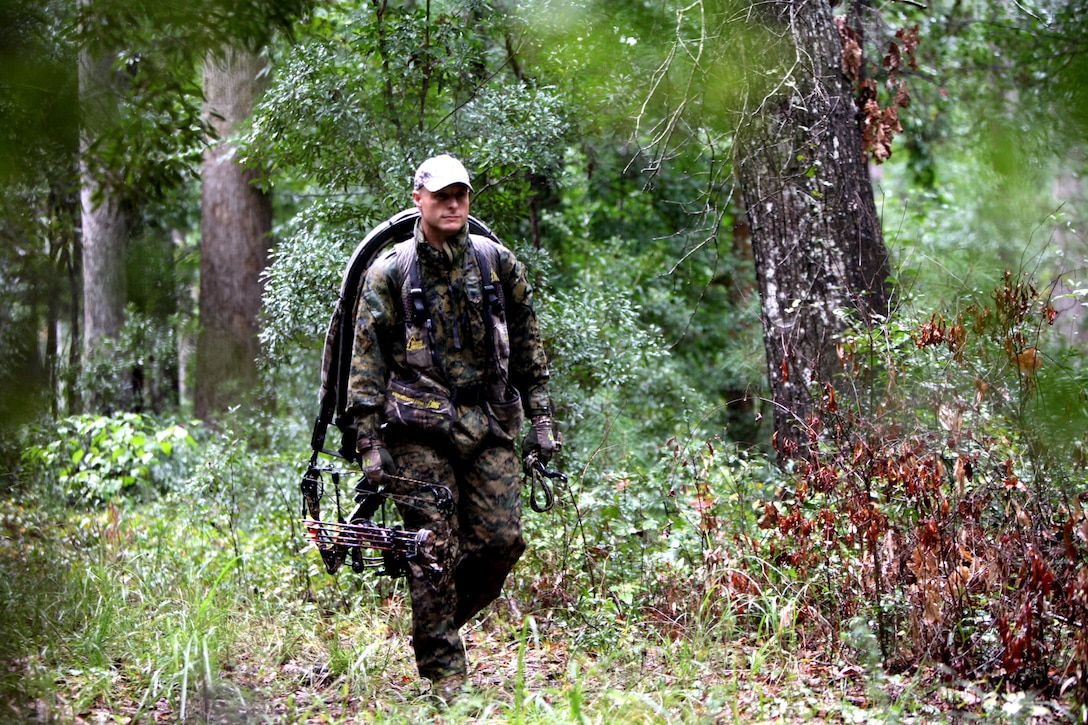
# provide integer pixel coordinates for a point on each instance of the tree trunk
(104, 226)
(816, 237)
(235, 229)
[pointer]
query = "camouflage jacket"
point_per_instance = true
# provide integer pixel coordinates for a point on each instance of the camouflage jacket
(455, 301)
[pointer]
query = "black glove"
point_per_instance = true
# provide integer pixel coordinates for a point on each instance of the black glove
(540, 440)
(375, 460)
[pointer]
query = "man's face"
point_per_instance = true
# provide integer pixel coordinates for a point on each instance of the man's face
(442, 212)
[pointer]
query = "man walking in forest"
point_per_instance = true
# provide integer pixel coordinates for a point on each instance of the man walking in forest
(447, 361)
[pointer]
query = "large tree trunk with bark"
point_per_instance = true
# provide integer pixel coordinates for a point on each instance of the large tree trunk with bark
(816, 237)
(104, 223)
(235, 228)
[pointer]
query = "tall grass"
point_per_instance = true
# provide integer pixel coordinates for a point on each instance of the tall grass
(201, 603)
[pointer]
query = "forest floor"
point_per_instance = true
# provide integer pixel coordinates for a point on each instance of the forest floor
(151, 617)
(517, 679)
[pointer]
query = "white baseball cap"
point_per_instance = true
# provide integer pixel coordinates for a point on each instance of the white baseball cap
(438, 172)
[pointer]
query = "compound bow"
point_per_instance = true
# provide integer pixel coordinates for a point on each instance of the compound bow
(358, 534)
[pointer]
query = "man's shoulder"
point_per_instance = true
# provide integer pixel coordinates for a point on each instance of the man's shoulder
(484, 240)
(491, 249)
(389, 263)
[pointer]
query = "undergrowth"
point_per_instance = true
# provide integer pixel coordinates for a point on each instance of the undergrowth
(941, 504)
(924, 562)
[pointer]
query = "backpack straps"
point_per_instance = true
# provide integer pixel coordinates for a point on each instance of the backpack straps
(498, 339)
(415, 303)
(421, 351)
(487, 259)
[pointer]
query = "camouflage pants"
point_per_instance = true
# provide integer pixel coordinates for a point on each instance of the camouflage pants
(475, 548)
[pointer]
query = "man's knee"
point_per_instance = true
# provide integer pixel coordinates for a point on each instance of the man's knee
(516, 545)
(499, 548)
(504, 547)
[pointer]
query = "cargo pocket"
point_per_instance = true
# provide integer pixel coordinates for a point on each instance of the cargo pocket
(504, 418)
(422, 405)
(469, 429)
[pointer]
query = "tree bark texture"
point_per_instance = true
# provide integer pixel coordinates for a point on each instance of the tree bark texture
(104, 223)
(235, 230)
(816, 238)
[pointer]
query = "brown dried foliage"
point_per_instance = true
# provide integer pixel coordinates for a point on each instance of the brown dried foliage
(879, 123)
(963, 550)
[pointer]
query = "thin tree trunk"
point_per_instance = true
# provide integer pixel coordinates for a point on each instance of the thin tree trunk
(816, 237)
(72, 268)
(235, 228)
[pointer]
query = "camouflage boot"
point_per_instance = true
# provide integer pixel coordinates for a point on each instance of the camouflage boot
(448, 688)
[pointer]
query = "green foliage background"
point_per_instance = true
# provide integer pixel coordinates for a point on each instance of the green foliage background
(158, 569)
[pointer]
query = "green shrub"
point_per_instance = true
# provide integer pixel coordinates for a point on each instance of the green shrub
(96, 458)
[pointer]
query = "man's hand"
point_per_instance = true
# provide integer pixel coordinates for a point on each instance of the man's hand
(540, 439)
(375, 460)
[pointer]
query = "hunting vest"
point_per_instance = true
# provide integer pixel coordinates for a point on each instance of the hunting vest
(420, 348)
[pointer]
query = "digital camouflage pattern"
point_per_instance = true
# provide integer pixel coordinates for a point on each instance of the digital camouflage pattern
(472, 553)
(454, 296)
(476, 548)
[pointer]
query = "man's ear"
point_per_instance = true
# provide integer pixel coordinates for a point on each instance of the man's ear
(416, 196)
